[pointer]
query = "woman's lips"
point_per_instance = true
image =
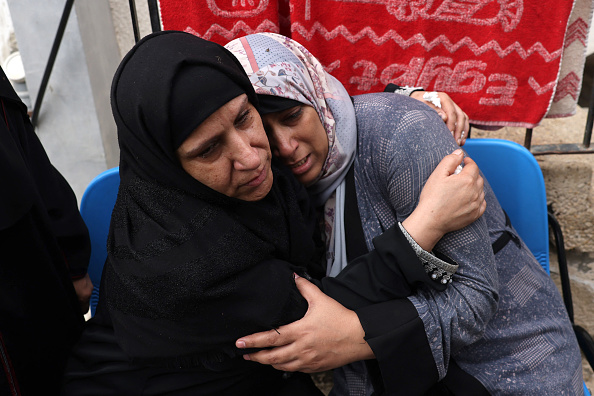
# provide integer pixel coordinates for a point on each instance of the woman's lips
(258, 179)
(301, 166)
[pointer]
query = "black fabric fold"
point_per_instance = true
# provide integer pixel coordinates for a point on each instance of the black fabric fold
(354, 236)
(29, 179)
(396, 334)
(390, 271)
(41, 235)
(458, 382)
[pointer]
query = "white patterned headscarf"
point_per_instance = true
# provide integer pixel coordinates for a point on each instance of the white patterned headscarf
(280, 66)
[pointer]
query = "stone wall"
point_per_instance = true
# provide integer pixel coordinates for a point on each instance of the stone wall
(122, 21)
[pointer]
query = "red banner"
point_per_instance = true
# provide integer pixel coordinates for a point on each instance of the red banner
(498, 59)
(223, 20)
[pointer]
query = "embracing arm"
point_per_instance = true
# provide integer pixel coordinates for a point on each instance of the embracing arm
(450, 200)
(455, 118)
(390, 271)
(320, 342)
(330, 334)
(405, 155)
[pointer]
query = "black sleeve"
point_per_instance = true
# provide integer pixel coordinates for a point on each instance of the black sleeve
(390, 271)
(60, 202)
(393, 88)
(397, 337)
(376, 285)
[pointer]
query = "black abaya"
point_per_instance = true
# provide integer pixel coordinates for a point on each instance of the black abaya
(44, 244)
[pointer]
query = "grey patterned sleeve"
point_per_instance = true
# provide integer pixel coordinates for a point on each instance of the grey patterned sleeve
(401, 143)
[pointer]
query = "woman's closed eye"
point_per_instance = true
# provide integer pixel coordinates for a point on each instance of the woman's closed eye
(208, 150)
(292, 115)
(243, 118)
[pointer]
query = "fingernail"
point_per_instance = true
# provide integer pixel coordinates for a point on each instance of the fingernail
(459, 141)
(457, 152)
(246, 357)
(240, 344)
(296, 276)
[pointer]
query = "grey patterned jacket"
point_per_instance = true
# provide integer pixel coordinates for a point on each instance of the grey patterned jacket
(502, 319)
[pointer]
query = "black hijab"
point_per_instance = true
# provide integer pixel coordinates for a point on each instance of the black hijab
(190, 270)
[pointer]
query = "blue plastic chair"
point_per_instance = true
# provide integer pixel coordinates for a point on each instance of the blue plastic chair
(516, 179)
(95, 207)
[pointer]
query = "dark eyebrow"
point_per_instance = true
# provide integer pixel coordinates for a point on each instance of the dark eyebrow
(197, 150)
(245, 99)
(242, 106)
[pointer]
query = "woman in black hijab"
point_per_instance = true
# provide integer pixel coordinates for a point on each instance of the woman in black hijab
(206, 234)
(192, 263)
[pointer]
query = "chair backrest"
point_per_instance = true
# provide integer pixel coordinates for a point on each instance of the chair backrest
(95, 207)
(516, 179)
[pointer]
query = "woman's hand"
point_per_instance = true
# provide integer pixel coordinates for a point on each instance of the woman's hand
(84, 289)
(328, 336)
(448, 202)
(451, 114)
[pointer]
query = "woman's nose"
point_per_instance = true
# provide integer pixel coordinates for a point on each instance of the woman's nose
(246, 156)
(284, 145)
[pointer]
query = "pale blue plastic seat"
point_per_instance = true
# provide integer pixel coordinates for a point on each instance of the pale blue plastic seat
(518, 183)
(516, 179)
(95, 207)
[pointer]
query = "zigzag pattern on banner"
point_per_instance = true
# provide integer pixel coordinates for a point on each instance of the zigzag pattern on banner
(568, 85)
(265, 26)
(577, 31)
(418, 38)
(540, 89)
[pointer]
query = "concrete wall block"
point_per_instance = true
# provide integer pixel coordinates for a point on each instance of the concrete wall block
(568, 182)
(122, 20)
